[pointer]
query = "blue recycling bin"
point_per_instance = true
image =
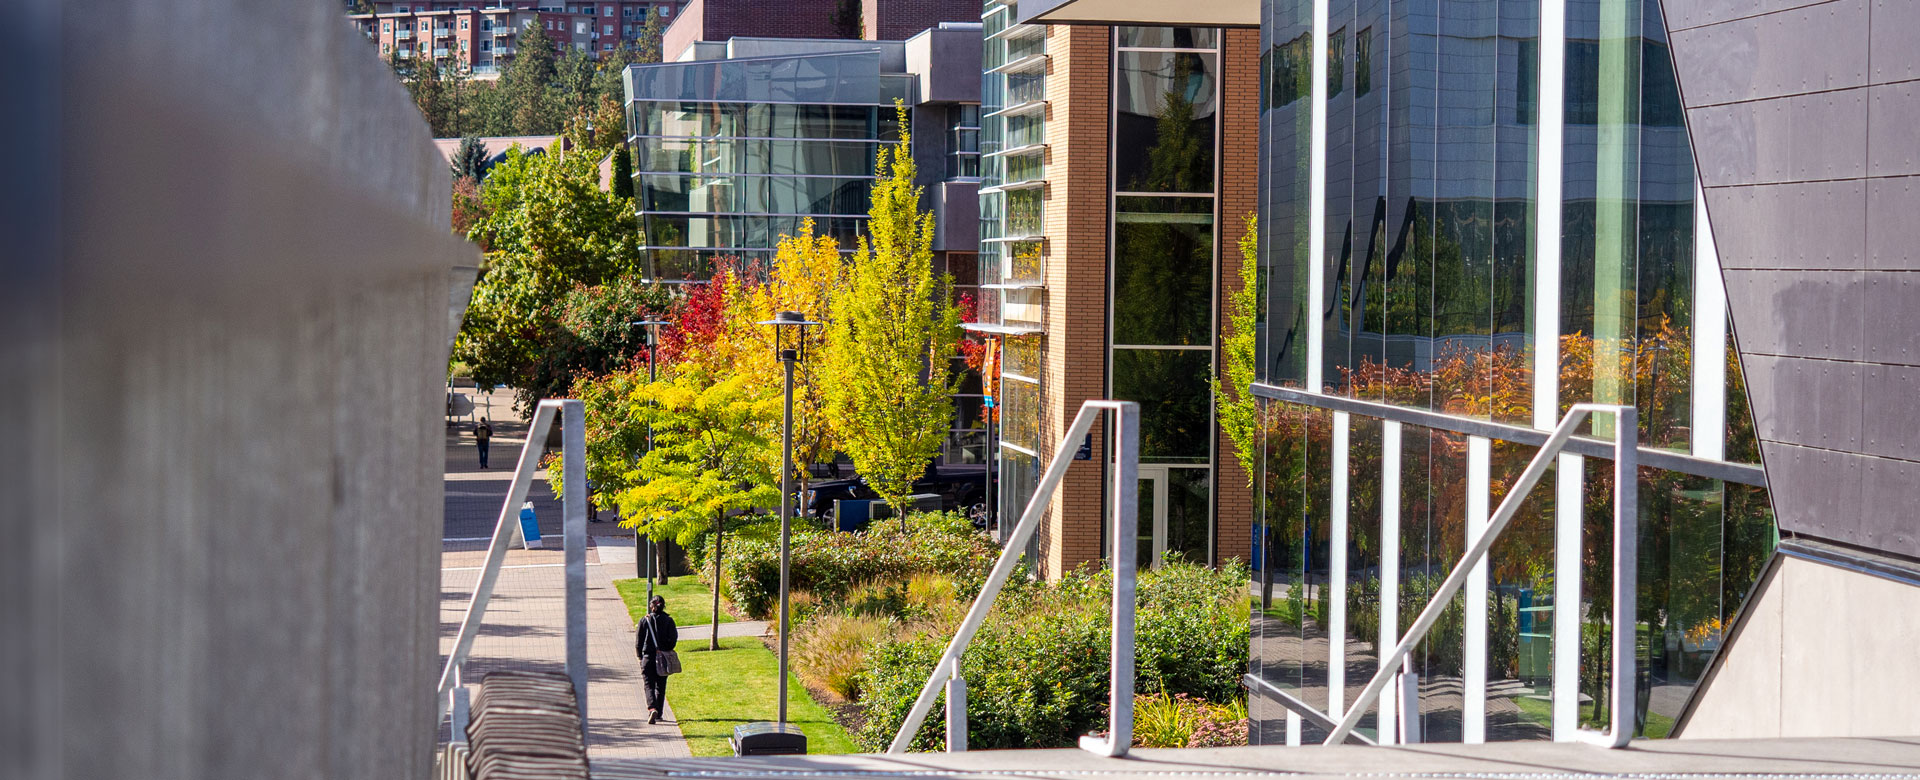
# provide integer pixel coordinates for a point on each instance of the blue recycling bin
(529, 527)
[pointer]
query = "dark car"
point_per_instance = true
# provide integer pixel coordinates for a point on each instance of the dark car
(959, 486)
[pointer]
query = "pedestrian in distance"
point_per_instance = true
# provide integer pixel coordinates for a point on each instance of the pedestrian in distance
(653, 642)
(482, 435)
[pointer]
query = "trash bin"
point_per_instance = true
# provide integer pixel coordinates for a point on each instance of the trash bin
(852, 514)
(767, 738)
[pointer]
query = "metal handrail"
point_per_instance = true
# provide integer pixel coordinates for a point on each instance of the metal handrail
(573, 503)
(1626, 535)
(1126, 458)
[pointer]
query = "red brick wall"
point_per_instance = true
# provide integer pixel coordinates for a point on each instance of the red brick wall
(1239, 172)
(898, 20)
(718, 20)
(1079, 95)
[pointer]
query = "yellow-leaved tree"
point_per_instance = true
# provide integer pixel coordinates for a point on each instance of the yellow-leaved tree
(1239, 412)
(806, 273)
(891, 334)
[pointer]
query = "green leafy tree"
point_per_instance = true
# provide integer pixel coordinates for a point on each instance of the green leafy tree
(893, 330)
(470, 160)
(1237, 409)
(707, 462)
(548, 228)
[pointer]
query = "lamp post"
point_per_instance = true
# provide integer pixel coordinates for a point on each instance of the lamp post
(653, 327)
(798, 323)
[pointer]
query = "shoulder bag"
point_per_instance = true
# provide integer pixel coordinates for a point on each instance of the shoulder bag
(665, 662)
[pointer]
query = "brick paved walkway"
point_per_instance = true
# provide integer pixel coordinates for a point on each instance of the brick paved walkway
(524, 627)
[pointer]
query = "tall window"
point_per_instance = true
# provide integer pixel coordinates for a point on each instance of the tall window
(1165, 131)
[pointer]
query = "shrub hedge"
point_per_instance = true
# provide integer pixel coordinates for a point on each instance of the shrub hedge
(830, 565)
(1041, 658)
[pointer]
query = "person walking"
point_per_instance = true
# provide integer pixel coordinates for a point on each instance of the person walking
(654, 643)
(482, 435)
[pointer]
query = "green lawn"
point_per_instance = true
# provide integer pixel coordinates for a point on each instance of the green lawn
(689, 600)
(718, 690)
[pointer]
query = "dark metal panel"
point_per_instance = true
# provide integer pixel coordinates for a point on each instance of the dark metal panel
(1891, 306)
(1821, 47)
(1803, 313)
(1800, 138)
(1893, 224)
(1893, 148)
(1890, 406)
(1817, 225)
(1815, 491)
(1682, 14)
(1886, 520)
(1809, 402)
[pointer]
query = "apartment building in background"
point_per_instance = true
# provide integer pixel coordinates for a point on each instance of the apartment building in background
(1118, 169)
(483, 36)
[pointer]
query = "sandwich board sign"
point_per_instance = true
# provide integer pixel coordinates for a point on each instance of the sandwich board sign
(526, 533)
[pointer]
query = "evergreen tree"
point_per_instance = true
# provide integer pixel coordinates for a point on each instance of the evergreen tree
(650, 37)
(526, 88)
(470, 160)
(891, 338)
(623, 172)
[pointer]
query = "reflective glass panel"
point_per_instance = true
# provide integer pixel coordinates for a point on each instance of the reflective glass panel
(1172, 389)
(1163, 271)
(1164, 108)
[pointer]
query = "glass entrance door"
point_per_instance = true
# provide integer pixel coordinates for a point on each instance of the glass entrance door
(1151, 546)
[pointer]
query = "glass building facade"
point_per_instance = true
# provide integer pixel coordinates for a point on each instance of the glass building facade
(1474, 214)
(1012, 258)
(1163, 273)
(732, 154)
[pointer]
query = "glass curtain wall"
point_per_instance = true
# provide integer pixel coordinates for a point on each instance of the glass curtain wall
(1416, 312)
(730, 155)
(1012, 248)
(1165, 133)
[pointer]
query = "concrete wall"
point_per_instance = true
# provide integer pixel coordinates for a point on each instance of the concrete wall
(223, 451)
(1823, 651)
(1802, 117)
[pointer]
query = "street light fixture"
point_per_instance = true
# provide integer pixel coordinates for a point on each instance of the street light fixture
(782, 323)
(653, 374)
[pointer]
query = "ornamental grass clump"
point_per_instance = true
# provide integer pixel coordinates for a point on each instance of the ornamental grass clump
(831, 651)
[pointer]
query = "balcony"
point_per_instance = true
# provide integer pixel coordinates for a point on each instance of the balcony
(442, 32)
(402, 35)
(440, 52)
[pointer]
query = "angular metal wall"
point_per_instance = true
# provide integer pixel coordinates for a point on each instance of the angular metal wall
(1803, 118)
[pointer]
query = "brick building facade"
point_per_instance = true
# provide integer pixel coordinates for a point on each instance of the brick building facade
(1073, 222)
(892, 20)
